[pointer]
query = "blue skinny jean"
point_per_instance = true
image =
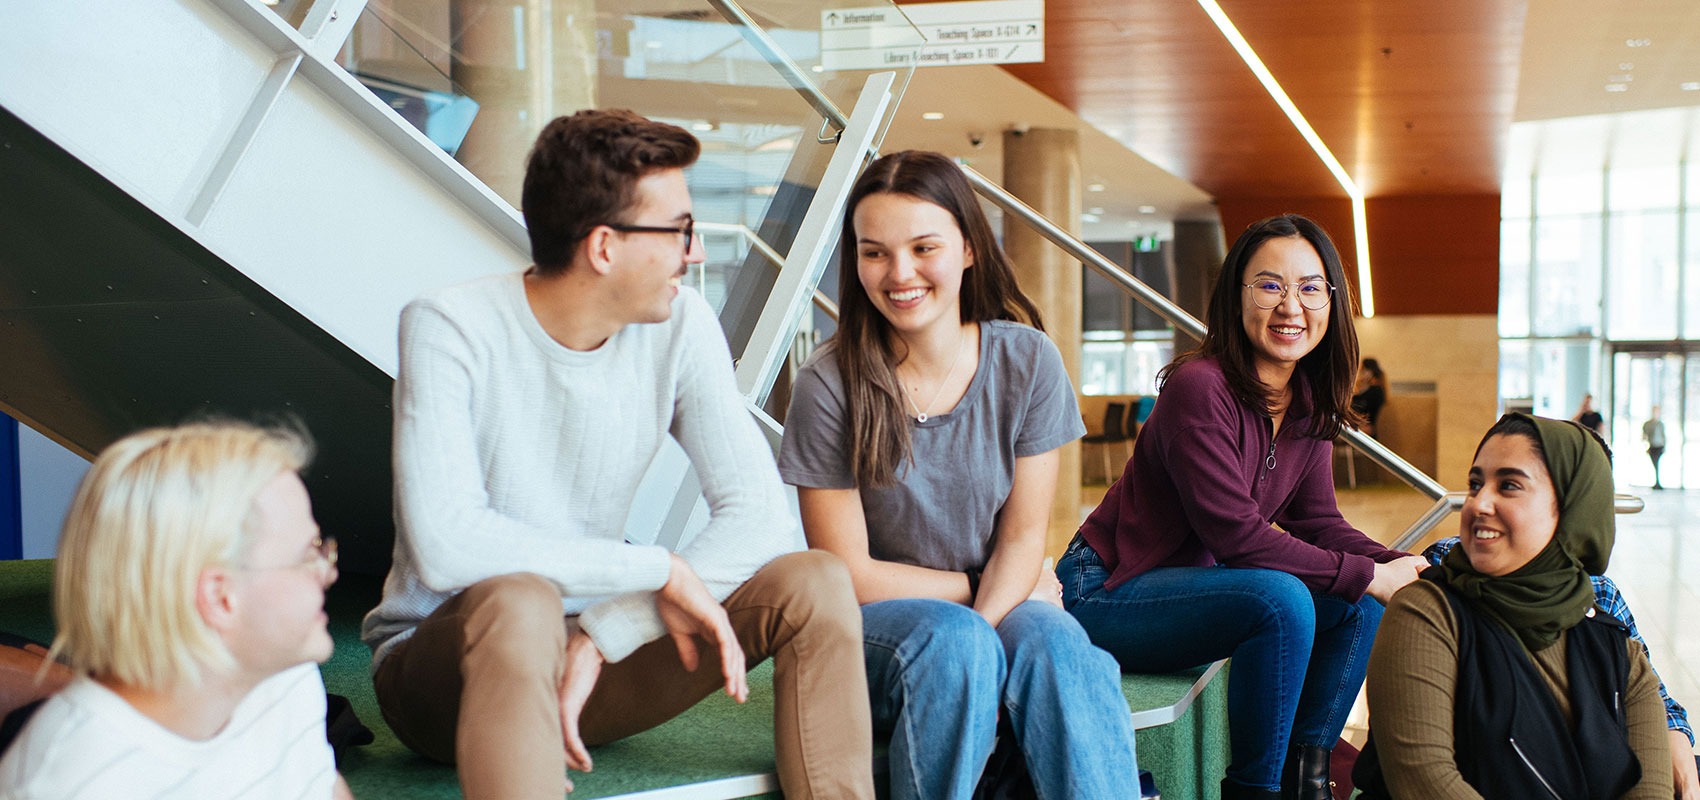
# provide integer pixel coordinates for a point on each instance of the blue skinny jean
(1299, 655)
(938, 673)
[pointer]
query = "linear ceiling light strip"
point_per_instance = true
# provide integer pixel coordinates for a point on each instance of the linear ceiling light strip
(1359, 221)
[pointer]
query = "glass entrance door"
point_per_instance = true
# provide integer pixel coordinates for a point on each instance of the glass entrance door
(1642, 381)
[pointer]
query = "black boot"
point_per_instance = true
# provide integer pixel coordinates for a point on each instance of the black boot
(1306, 775)
(1232, 790)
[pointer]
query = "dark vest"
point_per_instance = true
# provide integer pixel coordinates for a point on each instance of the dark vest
(1511, 741)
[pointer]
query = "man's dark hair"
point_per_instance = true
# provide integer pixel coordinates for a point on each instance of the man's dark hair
(583, 172)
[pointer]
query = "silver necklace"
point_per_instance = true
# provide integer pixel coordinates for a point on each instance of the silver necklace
(920, 415)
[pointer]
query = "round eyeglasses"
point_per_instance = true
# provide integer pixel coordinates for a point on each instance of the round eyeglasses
(689, 229)
(1313, 294)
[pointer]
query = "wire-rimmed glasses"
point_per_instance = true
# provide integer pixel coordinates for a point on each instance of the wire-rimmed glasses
(1313, 294)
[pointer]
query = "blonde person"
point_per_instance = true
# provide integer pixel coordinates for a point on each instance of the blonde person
(189, 593)
(923, 440)
(1497, 676)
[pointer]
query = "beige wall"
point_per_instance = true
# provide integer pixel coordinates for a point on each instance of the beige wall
(1459, 355)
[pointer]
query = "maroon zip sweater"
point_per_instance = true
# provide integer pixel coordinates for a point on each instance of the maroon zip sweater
(1204, 487)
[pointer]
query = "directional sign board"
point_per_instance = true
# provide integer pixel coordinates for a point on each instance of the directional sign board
(972, 32)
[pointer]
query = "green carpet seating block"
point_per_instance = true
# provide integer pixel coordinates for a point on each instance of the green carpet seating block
(26, 599)
(1180, 722)
(718, 749)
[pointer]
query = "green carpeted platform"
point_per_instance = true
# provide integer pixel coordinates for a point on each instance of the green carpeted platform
(26, 599)
(716, 740)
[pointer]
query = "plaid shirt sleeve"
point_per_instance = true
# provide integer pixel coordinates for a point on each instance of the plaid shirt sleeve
(1611, 601)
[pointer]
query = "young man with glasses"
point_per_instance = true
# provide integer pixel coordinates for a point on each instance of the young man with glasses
(189, 593)
(519, 624)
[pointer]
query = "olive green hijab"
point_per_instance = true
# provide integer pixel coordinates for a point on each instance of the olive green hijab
(1551, 593)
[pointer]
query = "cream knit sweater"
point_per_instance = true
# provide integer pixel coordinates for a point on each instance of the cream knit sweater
(516, 454)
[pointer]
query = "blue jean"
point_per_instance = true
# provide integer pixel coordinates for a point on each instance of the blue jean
(937, 674)
(1299, 655)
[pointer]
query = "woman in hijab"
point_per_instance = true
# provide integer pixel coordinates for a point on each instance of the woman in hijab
(1495, 676)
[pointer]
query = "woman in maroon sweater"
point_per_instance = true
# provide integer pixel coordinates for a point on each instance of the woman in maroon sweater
(1223, 538)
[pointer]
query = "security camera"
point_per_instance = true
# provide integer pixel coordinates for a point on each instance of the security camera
(1019, 128)
(977, 139)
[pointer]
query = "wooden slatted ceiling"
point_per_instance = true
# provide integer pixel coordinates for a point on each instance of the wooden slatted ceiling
(1413, 98)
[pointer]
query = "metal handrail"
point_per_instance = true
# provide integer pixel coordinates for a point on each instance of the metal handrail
(773, 257)
(794, 75)
(1165, 308)
(1452, 501)
(1150, 298)
(1175, 315)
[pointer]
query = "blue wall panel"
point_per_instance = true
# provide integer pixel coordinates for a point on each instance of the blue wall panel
(11, 503)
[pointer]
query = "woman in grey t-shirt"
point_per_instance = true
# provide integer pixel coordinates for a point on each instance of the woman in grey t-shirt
(923, 441)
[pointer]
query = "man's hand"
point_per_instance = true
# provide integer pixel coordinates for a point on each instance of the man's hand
(584, 665)
(689, 611)
(1682, 761)
(1393, 575)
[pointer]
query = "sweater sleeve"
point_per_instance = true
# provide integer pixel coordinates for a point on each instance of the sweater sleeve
(1314, 513)
(1413, 680)
(748, 523)
(1648, 737)
(1217, 499)
(443, 512)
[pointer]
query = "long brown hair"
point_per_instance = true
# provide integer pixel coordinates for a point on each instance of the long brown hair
(1331, 368)
(879, 430)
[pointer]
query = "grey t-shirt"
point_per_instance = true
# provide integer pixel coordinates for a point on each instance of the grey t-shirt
(943, 511)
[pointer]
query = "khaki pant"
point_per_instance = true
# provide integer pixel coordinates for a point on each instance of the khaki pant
(477, 683)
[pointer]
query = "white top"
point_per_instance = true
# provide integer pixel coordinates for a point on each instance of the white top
(86, 743)
(514, 453)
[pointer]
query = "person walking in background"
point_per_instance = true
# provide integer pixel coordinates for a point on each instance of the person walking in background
(1371, 394)
(1590, 419)
(1653, 433)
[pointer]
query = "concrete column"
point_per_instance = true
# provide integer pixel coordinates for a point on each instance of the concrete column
(1198, 250)
(1042, 168)
(521, 75)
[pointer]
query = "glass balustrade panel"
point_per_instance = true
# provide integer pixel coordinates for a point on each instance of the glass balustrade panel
(481, 79)
(293, 12)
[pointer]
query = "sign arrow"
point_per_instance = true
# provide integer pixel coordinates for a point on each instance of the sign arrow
(832, 18)
(1031, 28)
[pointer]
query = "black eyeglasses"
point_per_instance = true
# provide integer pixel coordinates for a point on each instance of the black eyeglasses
(689, 229)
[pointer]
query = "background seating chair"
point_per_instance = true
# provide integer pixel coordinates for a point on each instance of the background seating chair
(1113, 431)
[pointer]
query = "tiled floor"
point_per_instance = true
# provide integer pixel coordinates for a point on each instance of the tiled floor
(1656, 562)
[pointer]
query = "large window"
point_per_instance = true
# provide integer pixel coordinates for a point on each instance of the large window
(1566, 275)
(1125, 342)
(1514, 277)
(1641, 275)
(1598, 269)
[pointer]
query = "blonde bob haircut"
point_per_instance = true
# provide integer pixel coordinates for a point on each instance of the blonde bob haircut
(156, 509)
